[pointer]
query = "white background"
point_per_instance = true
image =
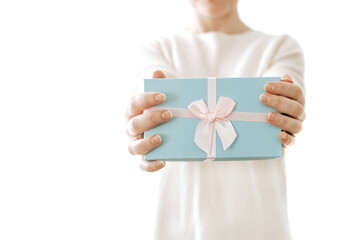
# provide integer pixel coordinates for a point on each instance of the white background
(65, 79)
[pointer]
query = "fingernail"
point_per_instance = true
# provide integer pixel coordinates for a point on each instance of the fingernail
(269, 87)
(166, 115)
(264, 98)
(160, 97)
(156, 139)
(284, 136)
(271, 116)
(160, 163)
(285, 76)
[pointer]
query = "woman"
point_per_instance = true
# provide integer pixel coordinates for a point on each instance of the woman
(221, 200)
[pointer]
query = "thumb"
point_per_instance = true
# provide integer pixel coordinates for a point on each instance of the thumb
(286, 78)
(158, 74)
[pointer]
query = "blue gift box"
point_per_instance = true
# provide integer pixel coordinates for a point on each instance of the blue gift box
(254, 140)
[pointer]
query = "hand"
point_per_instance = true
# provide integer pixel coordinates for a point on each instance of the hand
(289, 100)
(139, 122)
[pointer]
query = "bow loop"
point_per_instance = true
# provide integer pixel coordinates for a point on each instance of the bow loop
(224, 107)
(199, 109)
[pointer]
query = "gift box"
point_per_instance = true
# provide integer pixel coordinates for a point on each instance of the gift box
(214, 119)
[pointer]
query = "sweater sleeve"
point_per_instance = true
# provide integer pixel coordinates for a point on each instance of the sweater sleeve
(287, 57)
(153, 56)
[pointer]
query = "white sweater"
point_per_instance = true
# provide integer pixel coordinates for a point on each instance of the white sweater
(223, 200)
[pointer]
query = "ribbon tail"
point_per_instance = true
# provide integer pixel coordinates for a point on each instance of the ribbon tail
(204, 135)
(226, 132)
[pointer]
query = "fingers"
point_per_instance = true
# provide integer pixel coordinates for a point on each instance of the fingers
(286, 139)
(139, 123)
(146, 121)
(285, 123)
(289, 99)
(142, 101)
(284, 105)
(151, 166)
(286, 89)
(143, 146)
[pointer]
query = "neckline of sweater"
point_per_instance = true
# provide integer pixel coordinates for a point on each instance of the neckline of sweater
(185, 29)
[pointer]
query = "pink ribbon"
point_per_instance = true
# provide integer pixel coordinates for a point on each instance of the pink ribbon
(213, 121)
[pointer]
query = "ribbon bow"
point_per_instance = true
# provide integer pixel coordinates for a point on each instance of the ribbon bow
(213, 121)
